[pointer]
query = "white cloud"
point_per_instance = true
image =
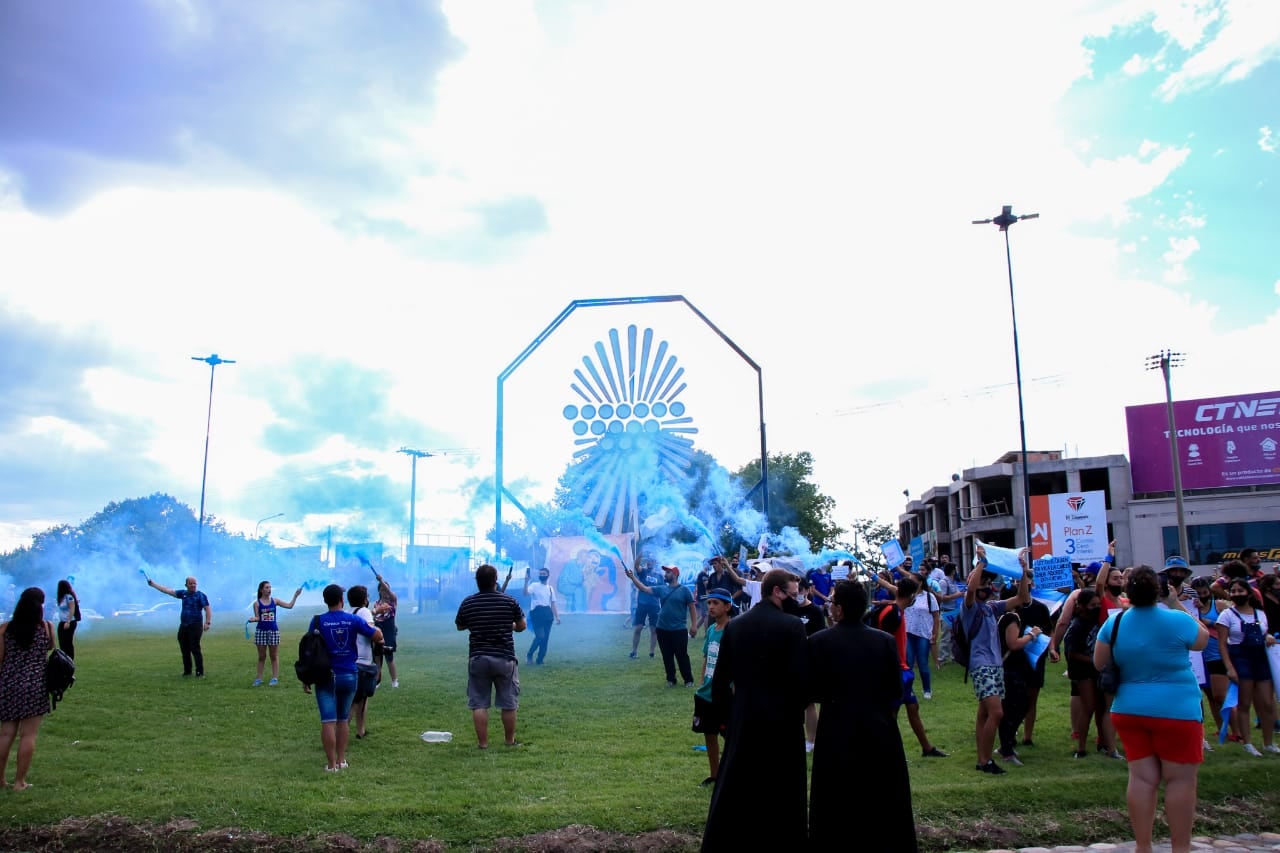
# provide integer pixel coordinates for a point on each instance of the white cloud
(1135, 65)
(1268, 140)
(1248, 37)
(1180, 251)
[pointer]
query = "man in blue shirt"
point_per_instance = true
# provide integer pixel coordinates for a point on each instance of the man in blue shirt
(677, 622)
(333, 698)
(189, 623)
(647, 606)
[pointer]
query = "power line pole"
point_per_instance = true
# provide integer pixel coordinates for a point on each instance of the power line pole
(1165, 360)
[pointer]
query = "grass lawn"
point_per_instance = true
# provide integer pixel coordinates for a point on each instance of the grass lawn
(606, 744)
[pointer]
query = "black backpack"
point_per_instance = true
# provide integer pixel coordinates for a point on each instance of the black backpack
(875, 615)
(960, 643)
(59, 675)
(313, 664)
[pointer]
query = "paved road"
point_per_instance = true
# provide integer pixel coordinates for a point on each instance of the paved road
(1263, 842)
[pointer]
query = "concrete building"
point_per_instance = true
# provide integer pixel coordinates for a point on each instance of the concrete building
(986, 504)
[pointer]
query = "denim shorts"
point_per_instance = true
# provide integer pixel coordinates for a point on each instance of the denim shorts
(334, 698)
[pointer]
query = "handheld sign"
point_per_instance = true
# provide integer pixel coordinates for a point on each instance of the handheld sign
(893, 556)
(1053, 573)
(1036, 648)
(1003, 561)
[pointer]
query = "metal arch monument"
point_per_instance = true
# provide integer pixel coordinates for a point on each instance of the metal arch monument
(626, 400)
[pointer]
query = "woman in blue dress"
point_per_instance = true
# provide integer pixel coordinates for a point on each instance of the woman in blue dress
(267, 635)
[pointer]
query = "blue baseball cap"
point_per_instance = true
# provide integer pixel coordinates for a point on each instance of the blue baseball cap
(720, 595)
(1092, 569)
(1176, 562)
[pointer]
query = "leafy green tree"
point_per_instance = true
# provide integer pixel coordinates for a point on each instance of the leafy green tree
(868, 534)
(794, 501)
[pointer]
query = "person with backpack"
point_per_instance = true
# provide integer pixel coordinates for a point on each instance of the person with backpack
(890, 618)
(68, 617)
(979, 615)
(25, 643)
(334, 695)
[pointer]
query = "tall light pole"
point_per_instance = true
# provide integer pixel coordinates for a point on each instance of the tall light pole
(259, 524)
(213, 361)
(1004, 220)
(1165, 360)
(415, 455)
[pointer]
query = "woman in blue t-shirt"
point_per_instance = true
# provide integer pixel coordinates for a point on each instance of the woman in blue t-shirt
(267, 634)
(1156, 710)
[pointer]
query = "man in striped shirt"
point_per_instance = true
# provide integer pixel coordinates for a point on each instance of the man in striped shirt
(491, 617)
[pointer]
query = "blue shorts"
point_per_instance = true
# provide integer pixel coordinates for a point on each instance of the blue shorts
(988, 681)
(645, 613)
(334, 698)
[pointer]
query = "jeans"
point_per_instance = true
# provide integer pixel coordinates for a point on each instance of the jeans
(334, 698)
(675, 650)
(542, 619)
(189, 642)
(918, 653)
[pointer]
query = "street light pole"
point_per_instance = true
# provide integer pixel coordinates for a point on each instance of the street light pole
(213, 361)
(259, 524)
(1165, 360)
(1004, 220)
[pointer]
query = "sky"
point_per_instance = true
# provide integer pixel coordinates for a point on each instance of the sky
(374, 209)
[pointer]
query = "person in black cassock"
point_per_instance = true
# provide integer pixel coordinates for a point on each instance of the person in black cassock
(760, 678)
(854, 674)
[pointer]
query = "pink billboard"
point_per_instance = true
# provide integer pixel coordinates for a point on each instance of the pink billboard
(1222, 441)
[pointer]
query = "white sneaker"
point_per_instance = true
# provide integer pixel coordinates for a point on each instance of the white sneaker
(1272, 748)
(395, 682)
(1253, 750)
(928, 694)
(1207, 748)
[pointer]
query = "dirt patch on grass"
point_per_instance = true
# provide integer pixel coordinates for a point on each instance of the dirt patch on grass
(941, 833)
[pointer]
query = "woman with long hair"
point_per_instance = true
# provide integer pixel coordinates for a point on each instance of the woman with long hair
(267, 634)
(1243, 640)
(25, 643)
(1156, 710)
(1079, 644)
(366, 669)
(68, 617)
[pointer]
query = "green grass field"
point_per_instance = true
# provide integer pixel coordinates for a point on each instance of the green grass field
(606, 743)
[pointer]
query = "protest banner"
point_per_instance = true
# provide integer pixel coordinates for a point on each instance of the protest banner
(1053, 573)
(893, 556)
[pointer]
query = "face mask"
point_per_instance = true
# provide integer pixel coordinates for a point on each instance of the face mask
(1114, 590)
(789, 605)
(1240, 599)
(544, 578)
(982, 594)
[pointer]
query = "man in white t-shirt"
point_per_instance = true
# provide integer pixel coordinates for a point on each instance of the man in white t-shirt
(542, 612)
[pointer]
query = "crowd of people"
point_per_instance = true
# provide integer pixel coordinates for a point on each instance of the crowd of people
(791, 665)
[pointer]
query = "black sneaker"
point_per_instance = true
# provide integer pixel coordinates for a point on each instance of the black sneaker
(708, 782)
(992, 768)
(934, 752)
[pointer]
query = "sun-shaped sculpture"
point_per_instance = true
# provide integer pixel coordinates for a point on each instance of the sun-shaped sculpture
(631, 428)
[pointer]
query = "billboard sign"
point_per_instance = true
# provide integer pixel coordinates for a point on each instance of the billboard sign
(1222, 442)
(1070, 524)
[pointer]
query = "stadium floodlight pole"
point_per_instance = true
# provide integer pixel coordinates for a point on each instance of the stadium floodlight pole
(268, 518)
(1004, 220)
(415, 455)
(1164, 361)
(213, 361)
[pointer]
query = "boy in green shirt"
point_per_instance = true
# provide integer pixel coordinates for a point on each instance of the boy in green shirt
(706, 719)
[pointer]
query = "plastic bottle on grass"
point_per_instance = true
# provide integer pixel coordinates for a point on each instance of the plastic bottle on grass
(436, 737)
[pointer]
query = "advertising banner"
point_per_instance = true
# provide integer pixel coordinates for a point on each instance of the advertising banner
(1070, 524)
(1222, 442)
(588, 573)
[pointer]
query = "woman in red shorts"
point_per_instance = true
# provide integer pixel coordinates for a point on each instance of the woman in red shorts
(1157, 710)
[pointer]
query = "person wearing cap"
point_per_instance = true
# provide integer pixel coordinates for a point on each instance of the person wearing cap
(707, 719)
(677, 622)
(542, 612)
(1176, 572)
(761, 678)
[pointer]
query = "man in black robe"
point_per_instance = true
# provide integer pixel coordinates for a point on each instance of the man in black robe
(855, 675)
(760, 677)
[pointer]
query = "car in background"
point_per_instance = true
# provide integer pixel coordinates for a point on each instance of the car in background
(89, 614)
(127, 610)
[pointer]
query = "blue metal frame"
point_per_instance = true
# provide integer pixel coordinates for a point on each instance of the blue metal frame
(501, 490)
